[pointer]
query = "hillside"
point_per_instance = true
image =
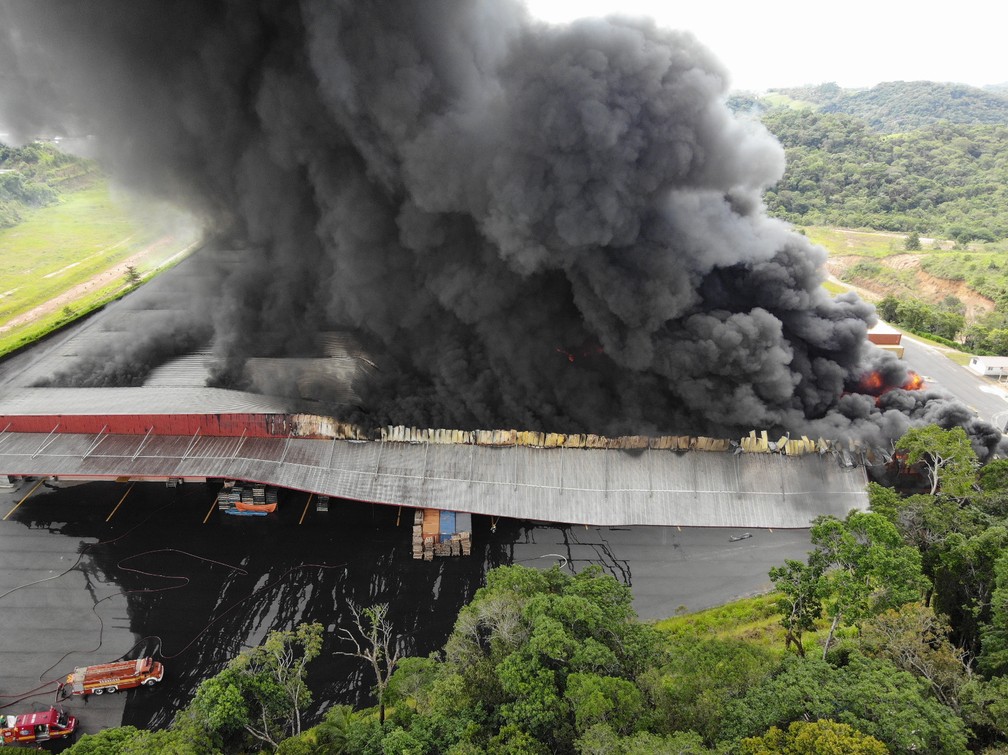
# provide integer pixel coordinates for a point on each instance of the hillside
(944, 179)
(899, 160)
(896, 106)
(36, 175)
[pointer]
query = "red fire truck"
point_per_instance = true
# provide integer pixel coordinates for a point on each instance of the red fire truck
(112, 677)
(36, 727)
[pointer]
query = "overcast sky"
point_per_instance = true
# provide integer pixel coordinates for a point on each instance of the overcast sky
(857, 43)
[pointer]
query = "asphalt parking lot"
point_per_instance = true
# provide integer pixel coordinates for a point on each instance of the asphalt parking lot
(99, 571)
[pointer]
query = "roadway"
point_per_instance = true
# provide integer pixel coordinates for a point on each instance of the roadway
(985, 396)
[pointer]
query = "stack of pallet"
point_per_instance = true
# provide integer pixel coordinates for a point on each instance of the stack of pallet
(459, 544)
(431, 531)
(418, 534)
(441, 533)
(227, 498)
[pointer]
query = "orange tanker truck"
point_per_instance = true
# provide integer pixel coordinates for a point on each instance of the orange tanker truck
(112, 677)
(40, 726)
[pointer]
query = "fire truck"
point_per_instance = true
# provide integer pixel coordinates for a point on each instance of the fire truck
(112, 677)
(40, 726)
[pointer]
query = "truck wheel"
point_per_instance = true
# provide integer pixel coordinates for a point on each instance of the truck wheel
(150, 682)
(97, 691)
(112, 690)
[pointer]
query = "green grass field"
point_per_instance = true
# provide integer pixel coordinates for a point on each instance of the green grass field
(842, 242)
(60, 247)
(751, 620)
(776, 99)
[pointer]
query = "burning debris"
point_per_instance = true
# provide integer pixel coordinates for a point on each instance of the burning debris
(464, 189)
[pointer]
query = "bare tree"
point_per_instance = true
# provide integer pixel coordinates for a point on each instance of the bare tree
(375, 642)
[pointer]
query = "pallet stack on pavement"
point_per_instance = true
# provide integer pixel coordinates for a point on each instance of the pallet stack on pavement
(226, 499)
(431, 531)
(418, 534)
(441, 533)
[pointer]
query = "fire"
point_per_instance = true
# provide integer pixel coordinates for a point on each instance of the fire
(914, 383)
(584, 351)
(874, 384)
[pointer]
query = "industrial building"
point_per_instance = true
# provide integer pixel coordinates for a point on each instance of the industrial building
(175, 429)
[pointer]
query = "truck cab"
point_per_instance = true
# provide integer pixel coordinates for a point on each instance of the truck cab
(39, 726)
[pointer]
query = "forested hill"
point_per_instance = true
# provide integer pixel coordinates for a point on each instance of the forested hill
(897, 106)
(35, 175)
(945, 179)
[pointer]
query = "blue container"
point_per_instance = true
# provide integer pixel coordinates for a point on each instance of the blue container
(447, 524)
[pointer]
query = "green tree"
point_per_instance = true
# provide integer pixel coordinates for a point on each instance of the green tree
(800, 602)
(700, 676)
(887, 308)
(600, 739)
(993, 476)
(865, 567)
(133, 277)
(822, 737)
(947, 456)
(105, 742)
(871, 695)
(985, 706)
(912, 243)
(608, 700)
(994, 635)
(535, 660)
(965, 582)
(916, 640)
(263, 692)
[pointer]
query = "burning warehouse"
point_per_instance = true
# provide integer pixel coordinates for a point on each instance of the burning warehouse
(468, 192)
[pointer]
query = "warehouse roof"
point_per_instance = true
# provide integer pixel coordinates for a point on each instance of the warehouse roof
(579, 485)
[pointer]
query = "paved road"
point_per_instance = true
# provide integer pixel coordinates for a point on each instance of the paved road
(984, 396)
(89, 572)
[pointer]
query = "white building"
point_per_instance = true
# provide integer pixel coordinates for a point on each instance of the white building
(992, 366)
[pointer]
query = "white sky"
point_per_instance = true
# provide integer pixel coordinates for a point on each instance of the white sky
(856, 43)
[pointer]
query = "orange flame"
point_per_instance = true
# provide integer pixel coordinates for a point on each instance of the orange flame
(570, 357)
(914, 382)
(874, 384)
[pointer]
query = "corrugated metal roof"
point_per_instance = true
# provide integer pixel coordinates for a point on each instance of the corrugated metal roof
(607, 488)
(164, 399)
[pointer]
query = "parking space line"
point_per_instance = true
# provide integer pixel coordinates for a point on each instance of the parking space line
(25, 498)
(310, 496)
(109, 517)
(212, 507)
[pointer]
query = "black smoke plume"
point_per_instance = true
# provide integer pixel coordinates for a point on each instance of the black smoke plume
(546, 227)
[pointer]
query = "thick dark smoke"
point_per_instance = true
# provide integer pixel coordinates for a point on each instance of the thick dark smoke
(525, 225)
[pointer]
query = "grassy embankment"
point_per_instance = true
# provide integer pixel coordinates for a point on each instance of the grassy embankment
(938, 259)
(70, 251)
(751, 620)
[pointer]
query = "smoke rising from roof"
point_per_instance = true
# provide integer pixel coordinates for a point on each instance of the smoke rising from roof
(525, 225)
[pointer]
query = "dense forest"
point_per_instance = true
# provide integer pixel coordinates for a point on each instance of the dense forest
(945, 179)
(891, 637)
(35, 175)
(901, 156)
